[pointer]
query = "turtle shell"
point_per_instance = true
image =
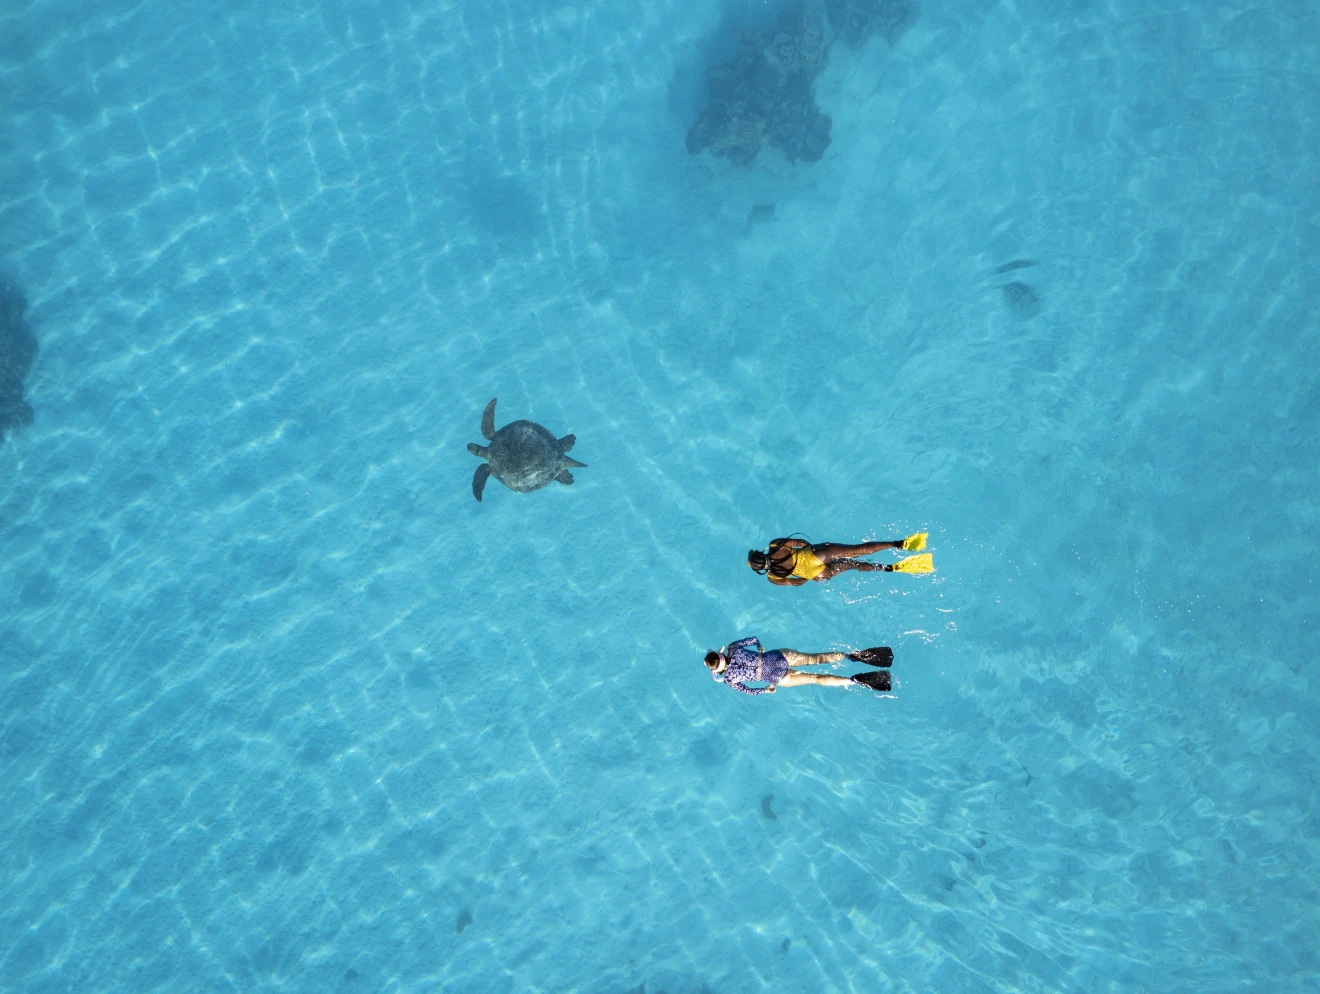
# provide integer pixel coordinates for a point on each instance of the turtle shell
(524, 456)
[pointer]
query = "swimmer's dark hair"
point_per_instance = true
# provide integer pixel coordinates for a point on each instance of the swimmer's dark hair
(712, 659)
(757, 560)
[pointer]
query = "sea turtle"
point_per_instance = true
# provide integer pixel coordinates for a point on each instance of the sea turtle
(522, 455)
(1022, 298)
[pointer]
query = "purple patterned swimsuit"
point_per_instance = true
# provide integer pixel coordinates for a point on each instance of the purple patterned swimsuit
(745, 664)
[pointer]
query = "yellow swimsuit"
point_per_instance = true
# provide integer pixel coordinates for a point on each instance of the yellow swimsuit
(806, 564)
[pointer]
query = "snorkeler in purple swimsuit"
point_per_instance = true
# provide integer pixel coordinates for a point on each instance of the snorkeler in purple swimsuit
(737, 665)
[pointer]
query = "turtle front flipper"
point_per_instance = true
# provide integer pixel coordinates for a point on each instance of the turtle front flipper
(479, 479)
(480, 451)
(488, 421)
(564, 477)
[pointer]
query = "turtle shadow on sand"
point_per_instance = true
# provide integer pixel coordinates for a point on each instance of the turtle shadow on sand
(522, 455)
(757, 215)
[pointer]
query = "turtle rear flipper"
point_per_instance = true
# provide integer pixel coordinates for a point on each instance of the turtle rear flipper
(488, 421)
(480, 451)
(565, 477)
(567, 442)
(479, 479)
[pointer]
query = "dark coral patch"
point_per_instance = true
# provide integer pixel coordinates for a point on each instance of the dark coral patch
(765, 95)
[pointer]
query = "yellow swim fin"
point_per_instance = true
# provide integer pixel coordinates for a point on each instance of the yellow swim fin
(915, 543)
(924, 563)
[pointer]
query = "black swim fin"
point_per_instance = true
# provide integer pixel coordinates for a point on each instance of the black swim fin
(881, 655)
(875, 679)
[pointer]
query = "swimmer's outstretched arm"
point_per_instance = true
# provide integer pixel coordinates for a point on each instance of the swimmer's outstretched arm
(787, 581)
(749, 640)
(750, 691)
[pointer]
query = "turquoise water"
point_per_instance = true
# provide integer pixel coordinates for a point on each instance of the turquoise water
(283, 709)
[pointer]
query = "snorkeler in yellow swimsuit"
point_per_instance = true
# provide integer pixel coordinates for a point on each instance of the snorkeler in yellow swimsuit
(791, 562)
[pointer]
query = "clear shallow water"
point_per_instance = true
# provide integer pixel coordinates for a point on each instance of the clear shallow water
(282, 707)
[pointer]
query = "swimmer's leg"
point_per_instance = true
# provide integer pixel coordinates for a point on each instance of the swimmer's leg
(799, 678)
(796, 658)
(827, 551)
(836, 566)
